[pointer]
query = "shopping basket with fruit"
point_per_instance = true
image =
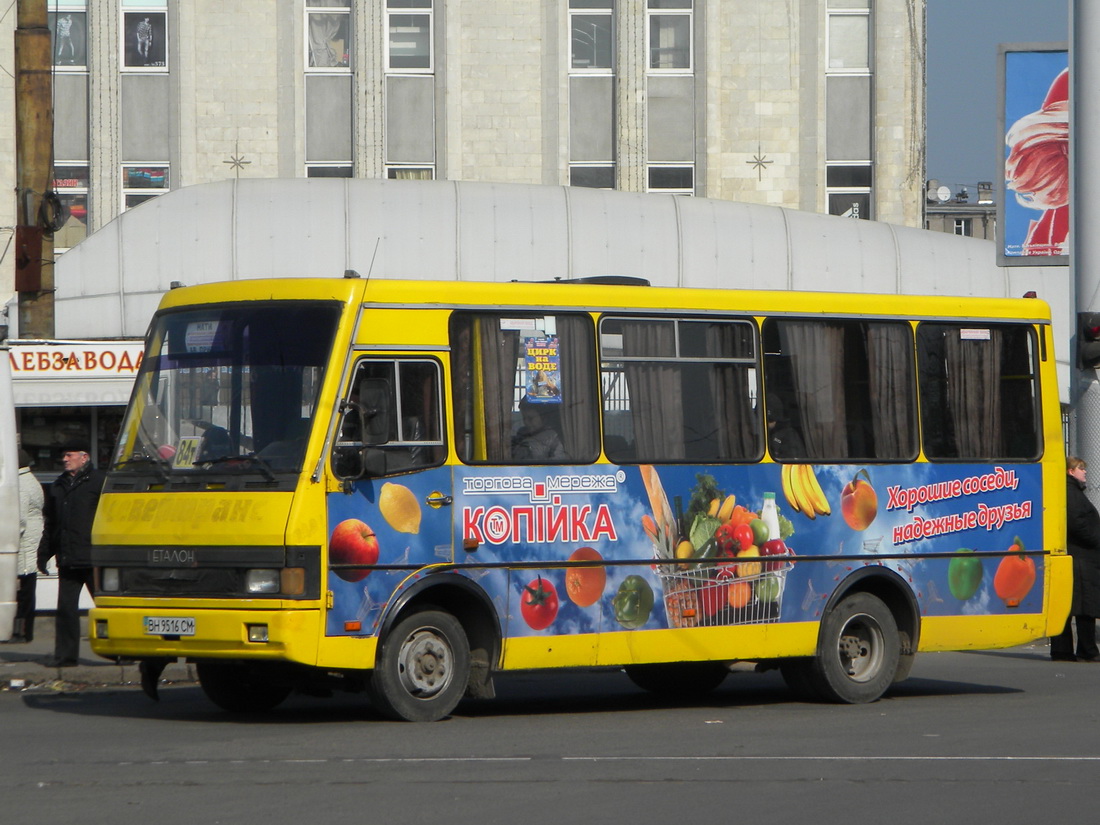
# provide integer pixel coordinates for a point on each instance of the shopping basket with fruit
(715, 593)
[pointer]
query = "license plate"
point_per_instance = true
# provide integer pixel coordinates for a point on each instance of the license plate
(170, 625)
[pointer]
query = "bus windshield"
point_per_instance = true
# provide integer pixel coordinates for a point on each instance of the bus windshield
(231, 388)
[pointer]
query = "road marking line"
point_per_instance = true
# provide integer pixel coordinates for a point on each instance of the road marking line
(524, 759)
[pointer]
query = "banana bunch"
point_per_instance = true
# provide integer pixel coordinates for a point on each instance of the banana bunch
(803, 491)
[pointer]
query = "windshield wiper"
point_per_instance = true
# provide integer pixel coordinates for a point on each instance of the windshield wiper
(252, 458)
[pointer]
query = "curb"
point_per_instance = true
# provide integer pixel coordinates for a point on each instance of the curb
(22, 665)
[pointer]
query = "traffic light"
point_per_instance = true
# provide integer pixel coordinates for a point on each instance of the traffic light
(1088, 340)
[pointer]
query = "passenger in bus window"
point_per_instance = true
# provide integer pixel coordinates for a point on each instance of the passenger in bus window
(1083, 543)
(535, 440)
(784, 441)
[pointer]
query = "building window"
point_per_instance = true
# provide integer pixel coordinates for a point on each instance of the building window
(409, 172)
(849, 189)
(144, 36)
(328, 170)
(592, 43)
(671, 179)
(143, 182)
(592, 175)
(409, 39)
(68, 23)
(668, 32)
(848, 95)
(964, 226)
(328, 35)
(849, 41)
(70, 182)
(850, 205)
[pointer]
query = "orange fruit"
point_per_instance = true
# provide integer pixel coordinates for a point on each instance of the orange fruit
(739, 594)
(584, 585)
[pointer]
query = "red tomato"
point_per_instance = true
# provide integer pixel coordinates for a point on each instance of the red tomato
(539, 604)
(743, 535)
(724, 538)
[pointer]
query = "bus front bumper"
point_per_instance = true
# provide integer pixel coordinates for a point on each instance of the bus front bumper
(261, 635)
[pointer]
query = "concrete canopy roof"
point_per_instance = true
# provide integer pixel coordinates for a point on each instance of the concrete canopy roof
(109, 285)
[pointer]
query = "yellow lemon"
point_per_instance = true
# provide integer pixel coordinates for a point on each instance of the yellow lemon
(399, 508)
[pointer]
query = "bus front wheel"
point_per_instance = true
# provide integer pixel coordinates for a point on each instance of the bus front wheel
(858, 654)
(239, 688)
(422, 668)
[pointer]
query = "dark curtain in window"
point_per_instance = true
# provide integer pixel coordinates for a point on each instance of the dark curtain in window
(816, 350)
(654, 389)
(974, 392)
(890, 368)
(738, 423)
(497, 351)
(578, 381)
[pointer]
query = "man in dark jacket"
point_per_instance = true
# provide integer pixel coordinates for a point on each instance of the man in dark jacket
(70, 509)
(1083, 543)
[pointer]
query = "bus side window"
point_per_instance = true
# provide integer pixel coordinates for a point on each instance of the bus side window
(541, 360)
(979, 391)
(838, 389)
(679, 389)
(391, 420)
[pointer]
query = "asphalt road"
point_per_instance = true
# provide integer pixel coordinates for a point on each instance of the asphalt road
(971, 737)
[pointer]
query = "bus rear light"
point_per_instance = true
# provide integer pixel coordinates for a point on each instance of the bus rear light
(257, 633)
(262, 580)
(109, 579)
(101, 628)
(293, 581)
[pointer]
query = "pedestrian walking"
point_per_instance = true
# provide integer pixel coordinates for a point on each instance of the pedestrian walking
(1083, 543)
(31, 502)
(70, 510)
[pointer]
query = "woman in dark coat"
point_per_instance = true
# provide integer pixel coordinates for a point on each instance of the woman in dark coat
(1083, 543)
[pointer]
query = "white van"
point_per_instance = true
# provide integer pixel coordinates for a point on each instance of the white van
(9, 499)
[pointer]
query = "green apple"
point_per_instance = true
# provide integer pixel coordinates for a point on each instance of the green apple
(964, 575)
(767, 589)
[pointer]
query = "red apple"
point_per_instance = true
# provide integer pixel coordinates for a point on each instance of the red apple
(352, 542)
(774, 547)
(858, 502)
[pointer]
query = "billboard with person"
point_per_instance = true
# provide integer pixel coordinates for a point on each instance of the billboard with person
(1033, 221)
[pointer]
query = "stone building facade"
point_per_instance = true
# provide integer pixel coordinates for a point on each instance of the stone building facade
(815, 105)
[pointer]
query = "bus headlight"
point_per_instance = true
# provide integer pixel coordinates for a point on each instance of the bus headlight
(261, 581)
(109, 579)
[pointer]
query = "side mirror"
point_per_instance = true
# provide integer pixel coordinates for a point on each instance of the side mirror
(348, 463)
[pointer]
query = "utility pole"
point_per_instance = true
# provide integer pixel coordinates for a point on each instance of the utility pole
(34, 271)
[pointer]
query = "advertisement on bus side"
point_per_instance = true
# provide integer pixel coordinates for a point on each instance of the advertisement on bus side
(602, 548)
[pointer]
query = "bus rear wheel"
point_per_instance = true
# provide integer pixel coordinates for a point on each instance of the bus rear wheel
(857, 657)
(422, 669)
(679, 681)
(240, 688)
